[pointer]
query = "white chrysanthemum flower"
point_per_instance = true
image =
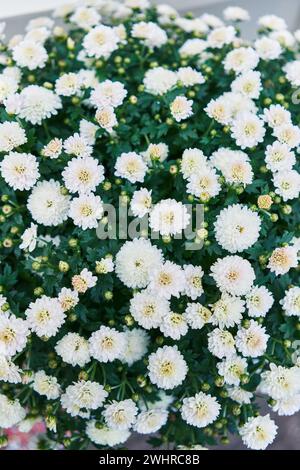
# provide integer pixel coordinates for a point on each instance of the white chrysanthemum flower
(288, 134)
(137, 4)
(148, 310)
(200, 410)
(174, 325)
(84, 281)
(248, 84)
(120, 415)
(267, 48)
(150, 34)
(137, 341)
(259, 301)
(105, 265)
(292, 71)
(247, 130)
(197, 315)
(141, 202)
(192, 162)
(276, 116)
(88, 131)
(156, 152)
(53, 149)
(38, 35)
(29, 238)
(45, 316)
(221, 343)
(107, 344)
(131, 166)
(104, 436)
(284, 37)
(40, 22)
(227, 311)
(76, 145)
(291, 302)
(150, 421)
(167, 280)
(252, 341)
(135, 261)
(273, 22)
(257, 433)
(287, 184)
(20, 170)
(68, 84)
(212, 21)
(193, 281)
(47, 205)
(9, 372)
(296, 243)
(13, 42)
(73, 349)
(101, 41)
(287, 406)
(241, 396)
(237, 228)
(283, 259)
(8, 86)
(83, 175)
(204, 184)
(167, 367)
(219, 109)
(189, 76)
(192, 47)
(181, 108)
(169, 217)
(106, 118)
(159, 81)
(233, 274)
(30, 54)
(234, 165)
(86, 210)
(279, 157)
(88, 395)
(46, 385)
(241, 60)
(12, 135)
(85, 17)
(239, 104)
(236, 14)
(68, 299)
(13, 334)
(280, 382)
(108, 93)
(166, 12)
(232, 368)
(191, 25)
(11, 412)
(38, 103)
(221, 36)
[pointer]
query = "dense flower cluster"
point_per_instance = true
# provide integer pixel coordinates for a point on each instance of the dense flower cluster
(133, 104)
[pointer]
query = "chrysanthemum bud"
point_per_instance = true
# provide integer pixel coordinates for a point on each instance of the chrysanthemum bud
(108, 295)
(51, 423)
(63, 266)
